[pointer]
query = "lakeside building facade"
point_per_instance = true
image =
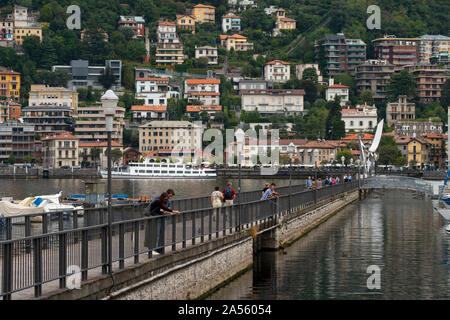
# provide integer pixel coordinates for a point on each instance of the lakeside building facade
(16, 139)
(374, 75)
(203, 90)
(362, 118)
(41, 94)
(400, 110)
(60, 150)
(277, 71)
(169, 49)
(397, 51)
(209, 52)
(236, 42)
(273, 101)
(10, 84)
(48, 120)
(430, 81)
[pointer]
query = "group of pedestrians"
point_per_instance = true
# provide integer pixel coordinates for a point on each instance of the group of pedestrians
(311, 182)
(224, 198)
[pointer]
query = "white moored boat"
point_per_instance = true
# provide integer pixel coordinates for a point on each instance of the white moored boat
(152, 170)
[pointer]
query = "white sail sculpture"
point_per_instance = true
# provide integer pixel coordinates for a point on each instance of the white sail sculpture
(369, 156)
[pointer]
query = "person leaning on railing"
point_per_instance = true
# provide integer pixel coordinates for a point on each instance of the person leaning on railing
(154, 235)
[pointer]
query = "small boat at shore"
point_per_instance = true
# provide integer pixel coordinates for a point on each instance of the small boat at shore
(36, 205)
(152, 170)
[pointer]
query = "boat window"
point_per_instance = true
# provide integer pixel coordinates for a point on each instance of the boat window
(172, 171)
(141, 171)
(180, 166)
(179, 172)
(157, 171)
(171, 166)
(149, 171)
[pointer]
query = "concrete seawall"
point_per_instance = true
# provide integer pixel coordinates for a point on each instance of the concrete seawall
(192, 272)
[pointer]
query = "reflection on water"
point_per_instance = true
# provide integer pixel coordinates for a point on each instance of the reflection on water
(396, 230)
(22, 188)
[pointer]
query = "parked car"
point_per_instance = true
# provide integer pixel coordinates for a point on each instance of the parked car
(65, 167)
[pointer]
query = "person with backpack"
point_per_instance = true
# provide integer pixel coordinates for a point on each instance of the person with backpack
(228, 195)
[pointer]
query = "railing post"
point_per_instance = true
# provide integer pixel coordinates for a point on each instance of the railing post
(84, 254)
(37, 259)
(136, 242)
(7, 276)
(174, 232)
(121, 245)
(62, 252)
(202, 227)
(184, 231)
(75, 225)
(27, 234)
(193, 227)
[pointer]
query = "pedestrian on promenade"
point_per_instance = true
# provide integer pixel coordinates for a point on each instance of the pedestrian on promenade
(333, 181)
(266, 186)
(337, 179)
(154, 234)
(228, 194)
(309, 183)
(216, 201)
(349, 178)
(345, 178)
(270, 193)
(319, 183)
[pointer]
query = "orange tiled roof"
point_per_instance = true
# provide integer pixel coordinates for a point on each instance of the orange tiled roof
(203, 108)
(166, 23)
(433, 135)
(148, 108)
(365, 136)
(62, 136)
(203, 81)
(234, 36)
(100, 144)
(338, 86)
(275, 61)
(231, 16)
(9, 72)
(203, 6)
(179, 16)
(287, 20)
(197, 93)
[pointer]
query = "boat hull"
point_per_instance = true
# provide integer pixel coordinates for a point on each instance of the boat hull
(127, 176)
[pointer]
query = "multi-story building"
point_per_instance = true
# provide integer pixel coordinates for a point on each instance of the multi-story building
(9, 110)
(204, 90)
(283, 22)
(135, 23)
(302, 67)
(277, 71)
(313, 153)
(186, 22)
(400, 110)
(148, 113)
(236, 42)
(60, 150)
(336, 54)
(432, 45)
(17, 139)
(204, 13)
(442, 58)
(337, 90)
(430, 80)
(414, 149)
(417, 128)
(397, 51)
(21, 32)
(436, 153)
(231, 22)
(25, 24)
(154, 91)
(374, 75)
(41, 95)
(6, 30)
(242, 4)
(272, 101)
(207, 51)
(90, 124)
(83, 75)
(361, 118)
(169, 49)
(169, 135)
(95, 153)
(210, 110)
(9, 84)
(48, 120)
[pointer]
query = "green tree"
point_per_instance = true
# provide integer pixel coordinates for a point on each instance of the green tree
(107, 79)
(335, 127)
(388, 152)
(445, 94)
(310, 74)
(347, 154)
(27, 159)
(11, 159)
(401, 83)
(366, 97)
(128, 77)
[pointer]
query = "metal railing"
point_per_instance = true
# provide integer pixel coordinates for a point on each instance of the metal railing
(31, 262)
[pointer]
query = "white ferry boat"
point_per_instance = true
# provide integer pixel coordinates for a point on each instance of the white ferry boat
(151, 170)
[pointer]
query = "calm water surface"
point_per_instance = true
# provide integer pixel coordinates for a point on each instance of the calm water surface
(396, 230)
(22, 188)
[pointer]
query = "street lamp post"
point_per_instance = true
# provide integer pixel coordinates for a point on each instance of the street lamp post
(109, 102)
(315, 174)
(291, 149)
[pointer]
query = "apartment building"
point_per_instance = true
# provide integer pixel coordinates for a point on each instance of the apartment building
(17, 139)
(400, 110)
(186, 22)
(437, 149)
(90, 124)
(41, 94)
(135, 23)
(414, 149)
(25, 23)
(277, 71)
(236, 42)
(142, 114)
(48, 120)
(9, 84)
(300, 68)
(337, 90)
(9, 110)
(207, 51)
(430, 81)
(60, 150)
(374, 75)
(397, 51)
(312, 153)
(242, 4)
(417, 128)
(21, 32)
(231, 22)
(283, 22)
(338, 54)
(203, 90)
(204, 13)
(169, 49)
(169, 135)
(273, 101)
(360, 118)
(433, 45)
(6, 30)
(254, 84)
(154, 91)
(197, 110)
(83, 75)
